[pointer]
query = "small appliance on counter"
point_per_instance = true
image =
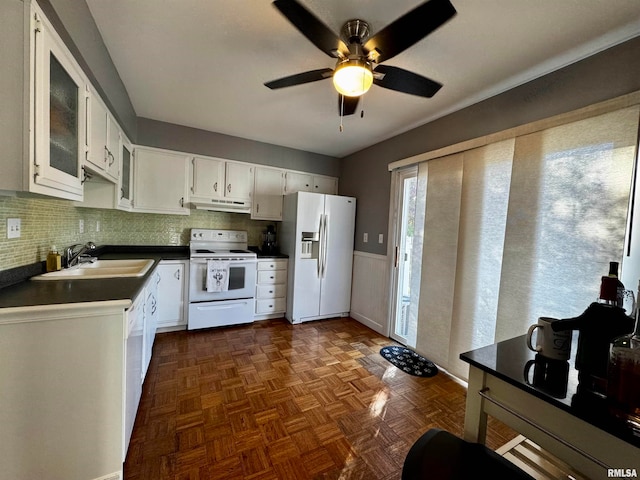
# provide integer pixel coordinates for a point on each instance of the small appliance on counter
(599, 325)
(269, 243)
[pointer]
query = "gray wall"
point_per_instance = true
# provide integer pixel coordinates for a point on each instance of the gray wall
(606, 75)
(192, 140)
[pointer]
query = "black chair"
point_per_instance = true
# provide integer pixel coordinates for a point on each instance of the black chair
(440, 455)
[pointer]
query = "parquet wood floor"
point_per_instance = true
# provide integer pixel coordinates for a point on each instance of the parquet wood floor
(271, 400)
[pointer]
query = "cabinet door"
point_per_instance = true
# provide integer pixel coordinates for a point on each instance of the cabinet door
(112, 149)
(126, 175)
(323, 184)
(60, 106)
(97, 135)
(160, 181)
(171, 293)
(239, 180)
(150, 320)
(267, 194)
(208, 178)
(298, 182)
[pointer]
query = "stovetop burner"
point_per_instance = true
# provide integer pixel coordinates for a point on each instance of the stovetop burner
(222, 244)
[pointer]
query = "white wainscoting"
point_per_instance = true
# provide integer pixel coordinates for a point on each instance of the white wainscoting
(370, 291)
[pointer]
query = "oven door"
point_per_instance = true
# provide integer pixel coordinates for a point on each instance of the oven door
(242, 281)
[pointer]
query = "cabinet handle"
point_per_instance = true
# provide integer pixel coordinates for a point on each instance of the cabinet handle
(182, 201)
(109, 154)
(270, 291)
(272, 278)
(121, 193)
(177, 274)
(215, 187)
(229, 188)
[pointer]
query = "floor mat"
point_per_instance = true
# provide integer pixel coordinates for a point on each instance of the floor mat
(409, 361)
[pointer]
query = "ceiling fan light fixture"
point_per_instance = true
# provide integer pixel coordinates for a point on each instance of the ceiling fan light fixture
(352, 78)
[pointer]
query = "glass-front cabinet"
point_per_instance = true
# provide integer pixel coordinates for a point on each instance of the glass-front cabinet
(125, 193)
(59, 120)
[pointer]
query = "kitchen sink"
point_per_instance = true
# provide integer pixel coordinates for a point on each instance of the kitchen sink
(100, 269)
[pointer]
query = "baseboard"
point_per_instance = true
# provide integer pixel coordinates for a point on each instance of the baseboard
(368, 322)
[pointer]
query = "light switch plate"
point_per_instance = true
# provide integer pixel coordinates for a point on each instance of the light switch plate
(381, 238)
(13, 228)
(365, 237)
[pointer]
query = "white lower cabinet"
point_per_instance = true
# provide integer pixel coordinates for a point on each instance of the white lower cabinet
(150, 319)
(63, 390)
(271, 288)
(172, 291)
(134, 317)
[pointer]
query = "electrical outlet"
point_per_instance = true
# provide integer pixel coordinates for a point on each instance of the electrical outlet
(365, 237)
(13, 228)
(381, 238)
(81, 226)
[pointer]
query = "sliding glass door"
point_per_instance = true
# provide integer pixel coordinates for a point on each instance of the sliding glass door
(408, 244)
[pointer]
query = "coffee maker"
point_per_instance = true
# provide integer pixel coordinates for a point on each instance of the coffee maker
(269, 245)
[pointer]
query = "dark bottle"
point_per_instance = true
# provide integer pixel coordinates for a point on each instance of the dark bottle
(611, 288)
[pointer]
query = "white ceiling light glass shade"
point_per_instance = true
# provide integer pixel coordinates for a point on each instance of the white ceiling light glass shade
(352, 78)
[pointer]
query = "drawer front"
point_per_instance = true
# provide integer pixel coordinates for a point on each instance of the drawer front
(271, 291)
(272, 305)
(272, 276)
(272, 265)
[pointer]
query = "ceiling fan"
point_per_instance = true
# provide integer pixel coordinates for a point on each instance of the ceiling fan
(359, 54)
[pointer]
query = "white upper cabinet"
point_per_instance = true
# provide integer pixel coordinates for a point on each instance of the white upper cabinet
(267, 193)
(298, 182)
(58, 96)
(306, 182)
(324, 184)
(239, 178)
(125, 179)
(103, 139)
(208, 178)
(161, 181)
(222, 185)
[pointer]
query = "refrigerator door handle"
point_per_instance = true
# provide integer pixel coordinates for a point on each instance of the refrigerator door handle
(320, 247)
(324, 242)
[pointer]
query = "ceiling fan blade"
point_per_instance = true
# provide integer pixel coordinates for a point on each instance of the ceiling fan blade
(349, 106)
(410, 28)
(312, 28)
(404, 81)
(300, 78)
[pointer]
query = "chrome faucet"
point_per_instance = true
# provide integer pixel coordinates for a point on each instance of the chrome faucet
(74, 257)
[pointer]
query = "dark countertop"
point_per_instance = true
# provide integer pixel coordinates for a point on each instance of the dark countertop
(510, 359)
(30, 292)
(267, 255)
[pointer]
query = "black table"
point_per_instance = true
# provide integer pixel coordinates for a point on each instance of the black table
(546, 402)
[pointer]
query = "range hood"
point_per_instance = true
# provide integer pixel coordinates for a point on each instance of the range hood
(216, 205)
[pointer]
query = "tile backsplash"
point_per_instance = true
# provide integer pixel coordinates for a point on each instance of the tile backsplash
(47, 222)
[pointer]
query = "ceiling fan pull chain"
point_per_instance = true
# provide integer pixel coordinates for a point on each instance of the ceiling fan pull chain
(341, 112)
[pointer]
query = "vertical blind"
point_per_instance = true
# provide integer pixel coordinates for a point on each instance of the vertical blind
(519, 229)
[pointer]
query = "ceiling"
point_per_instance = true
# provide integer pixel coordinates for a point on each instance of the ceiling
(202, 63)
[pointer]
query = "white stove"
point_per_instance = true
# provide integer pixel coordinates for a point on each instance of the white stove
(229, 244)
(222, 278)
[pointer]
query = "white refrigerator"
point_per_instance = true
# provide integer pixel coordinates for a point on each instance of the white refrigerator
(317, 234)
